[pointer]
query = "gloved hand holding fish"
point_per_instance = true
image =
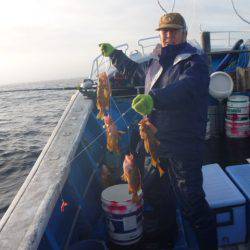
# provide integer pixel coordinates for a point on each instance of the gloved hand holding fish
(131, 174)
(113, 135)
(103, 95)
(147, 132)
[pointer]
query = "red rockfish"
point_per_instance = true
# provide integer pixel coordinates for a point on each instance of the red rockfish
(103, 95)
(113, 135)
(131, 174)
(151, 144)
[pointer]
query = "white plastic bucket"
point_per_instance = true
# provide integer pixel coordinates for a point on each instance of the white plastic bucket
(238, 108)
(221, 85)
(124, 218)
(237, 129)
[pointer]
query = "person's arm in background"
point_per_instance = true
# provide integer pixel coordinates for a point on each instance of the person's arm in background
(191, 83)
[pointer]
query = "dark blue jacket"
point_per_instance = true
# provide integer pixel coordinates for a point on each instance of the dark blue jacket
(178, 83)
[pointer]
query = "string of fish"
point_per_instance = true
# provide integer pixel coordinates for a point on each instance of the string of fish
(65, 203)
(121, 115)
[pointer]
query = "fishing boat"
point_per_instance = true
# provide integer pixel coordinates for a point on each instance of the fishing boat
(59, 206)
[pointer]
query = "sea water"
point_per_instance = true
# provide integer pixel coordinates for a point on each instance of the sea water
(27, 120)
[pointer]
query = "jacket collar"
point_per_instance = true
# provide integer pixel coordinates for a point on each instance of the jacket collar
(182, 57)
(173, 54)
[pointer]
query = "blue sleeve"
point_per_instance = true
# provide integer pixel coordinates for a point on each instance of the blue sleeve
(192, 83)
(135, 72)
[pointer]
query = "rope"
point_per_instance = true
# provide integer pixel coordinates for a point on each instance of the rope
(237, 13)
(173, 6)
(164, 9)
(161, 7)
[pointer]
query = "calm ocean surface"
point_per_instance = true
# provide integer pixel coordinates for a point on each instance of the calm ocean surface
(27, 120)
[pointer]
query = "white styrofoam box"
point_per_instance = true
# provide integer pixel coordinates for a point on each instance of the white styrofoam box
(227, 202)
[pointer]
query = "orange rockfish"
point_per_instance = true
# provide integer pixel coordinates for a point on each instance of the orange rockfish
(103, 95)
(151, 144)
(131, 174)
(113, 135)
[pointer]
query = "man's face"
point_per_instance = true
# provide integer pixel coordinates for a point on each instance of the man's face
(172, 36)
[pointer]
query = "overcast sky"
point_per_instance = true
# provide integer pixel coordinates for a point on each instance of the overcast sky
(57, 39)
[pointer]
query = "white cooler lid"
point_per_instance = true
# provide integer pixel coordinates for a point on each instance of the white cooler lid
(219, 189)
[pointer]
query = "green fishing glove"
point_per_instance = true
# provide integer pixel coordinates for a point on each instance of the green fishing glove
(143, 104)
(106, 49)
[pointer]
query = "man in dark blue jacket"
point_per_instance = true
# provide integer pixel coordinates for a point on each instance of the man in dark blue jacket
(175, 100)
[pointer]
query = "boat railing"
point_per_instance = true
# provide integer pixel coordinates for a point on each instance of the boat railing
(148, 42)
(98, 62)
(219, 39)
(227, 39)
(37, 198)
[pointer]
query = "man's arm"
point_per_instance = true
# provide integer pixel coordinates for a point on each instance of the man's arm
(192, 83)
(135, 72)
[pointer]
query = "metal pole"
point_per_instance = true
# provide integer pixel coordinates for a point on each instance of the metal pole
(206, 46)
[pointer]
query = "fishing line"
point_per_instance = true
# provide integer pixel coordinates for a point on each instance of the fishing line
(97, 137)
(126, 124)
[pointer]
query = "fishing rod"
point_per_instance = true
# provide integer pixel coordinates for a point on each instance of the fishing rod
(88, 88)
(39, 89)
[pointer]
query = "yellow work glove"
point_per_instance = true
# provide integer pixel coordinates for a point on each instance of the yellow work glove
(143, 104)
(106, 49)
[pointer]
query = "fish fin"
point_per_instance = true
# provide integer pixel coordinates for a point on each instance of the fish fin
(162, 172)
(160, 169)
(152, 127)
(100, 115)
(135, 198)
(153, 162)
(122, 177)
